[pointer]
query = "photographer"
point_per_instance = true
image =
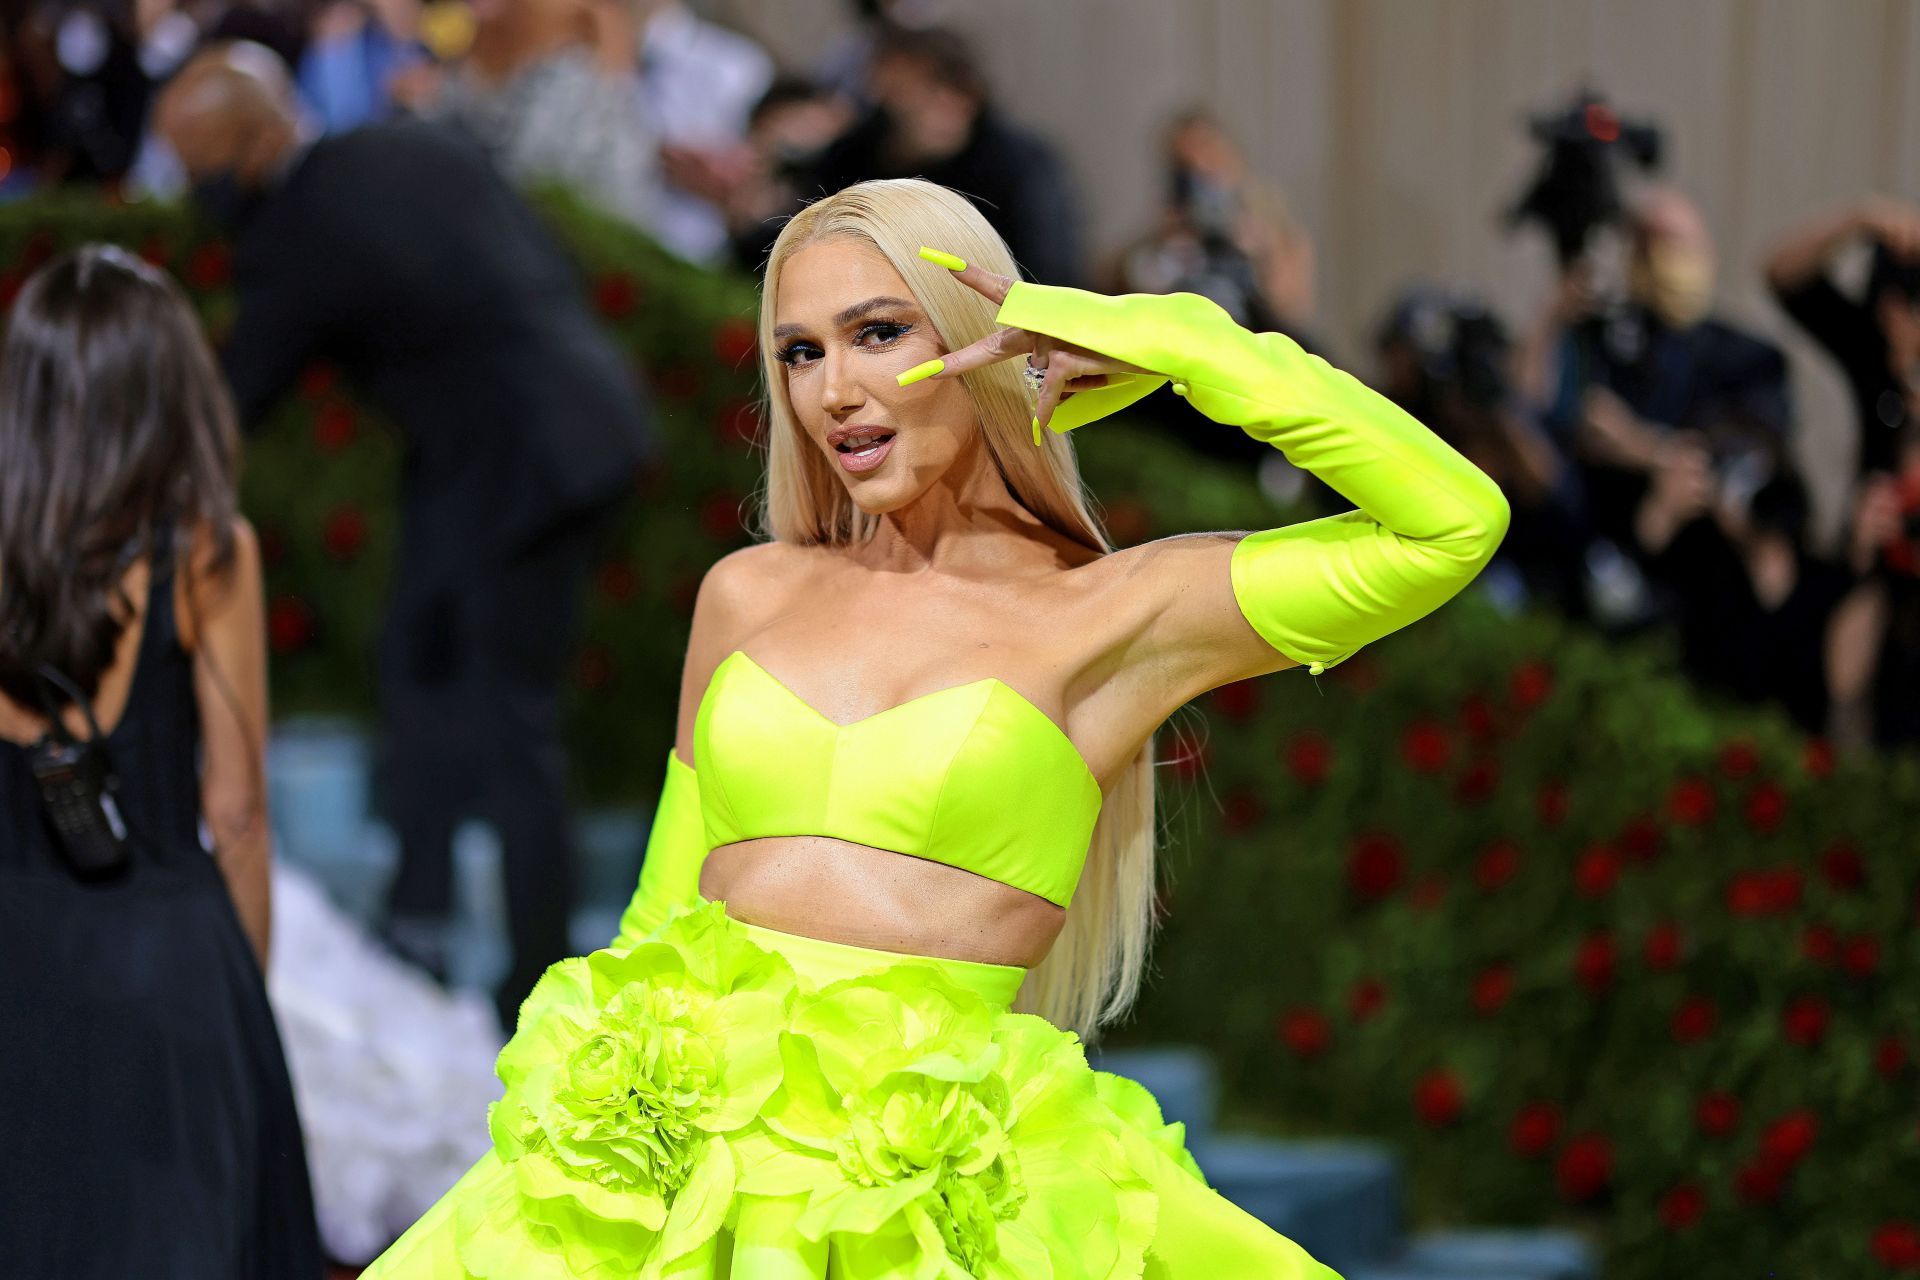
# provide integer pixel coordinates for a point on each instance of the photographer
(1621, 378)
(1444, 358)
(1876, 340)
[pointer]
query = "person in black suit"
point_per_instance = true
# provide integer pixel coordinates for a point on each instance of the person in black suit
(396, 252)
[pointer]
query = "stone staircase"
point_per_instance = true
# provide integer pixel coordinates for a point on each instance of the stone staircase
(1342, 1201)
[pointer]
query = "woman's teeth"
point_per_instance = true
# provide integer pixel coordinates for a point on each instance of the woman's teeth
(863, 444)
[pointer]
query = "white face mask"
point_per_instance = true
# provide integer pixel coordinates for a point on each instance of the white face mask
(1675, 283)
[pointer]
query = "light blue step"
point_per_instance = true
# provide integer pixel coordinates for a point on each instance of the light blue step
(1532, 1254)
(318, 769)
(1180, 1078)
(1340, 1201)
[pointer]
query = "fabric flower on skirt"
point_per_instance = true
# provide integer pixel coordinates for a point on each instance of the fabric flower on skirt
(928, 1136)
(626, 1074)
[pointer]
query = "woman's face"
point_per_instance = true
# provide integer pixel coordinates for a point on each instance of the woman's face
(845, 325)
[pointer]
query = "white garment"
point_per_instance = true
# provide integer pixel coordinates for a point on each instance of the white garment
(699, 81)
(391, 1073)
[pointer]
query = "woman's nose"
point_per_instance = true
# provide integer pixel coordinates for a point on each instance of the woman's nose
(839, 389)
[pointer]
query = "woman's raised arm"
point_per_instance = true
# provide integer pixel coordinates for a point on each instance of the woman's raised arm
(1314, 593)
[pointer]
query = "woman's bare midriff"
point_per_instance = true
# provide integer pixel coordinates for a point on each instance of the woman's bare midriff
(843, 892)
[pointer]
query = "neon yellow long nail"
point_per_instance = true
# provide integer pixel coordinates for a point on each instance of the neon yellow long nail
(919, 371)
(941, 258)
(1036, 431)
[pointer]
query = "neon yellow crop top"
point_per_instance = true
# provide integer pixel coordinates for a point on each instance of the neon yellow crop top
(973, 775)
(976, 776)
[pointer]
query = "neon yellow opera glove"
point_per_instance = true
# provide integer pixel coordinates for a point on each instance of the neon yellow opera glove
(676, 846)
(1428, 519)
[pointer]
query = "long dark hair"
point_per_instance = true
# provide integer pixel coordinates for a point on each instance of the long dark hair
(114, 424)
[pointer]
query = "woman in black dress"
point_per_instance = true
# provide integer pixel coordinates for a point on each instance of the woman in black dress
(149, 1126)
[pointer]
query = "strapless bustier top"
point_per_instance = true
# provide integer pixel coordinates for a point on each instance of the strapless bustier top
(974, 776)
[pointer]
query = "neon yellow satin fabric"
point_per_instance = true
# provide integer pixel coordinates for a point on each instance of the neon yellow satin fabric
(676, 846)
(974, 776)
(1428, 519)
(723, 1100)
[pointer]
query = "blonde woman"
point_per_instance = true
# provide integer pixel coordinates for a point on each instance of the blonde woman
(912, 785)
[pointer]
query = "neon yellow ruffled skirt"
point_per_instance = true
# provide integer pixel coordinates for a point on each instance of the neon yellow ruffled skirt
(729, 1101)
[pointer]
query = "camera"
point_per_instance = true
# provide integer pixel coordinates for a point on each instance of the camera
(1578, 186)
(78, 788)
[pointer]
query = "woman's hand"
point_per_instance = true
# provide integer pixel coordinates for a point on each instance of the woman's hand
(1068, 368)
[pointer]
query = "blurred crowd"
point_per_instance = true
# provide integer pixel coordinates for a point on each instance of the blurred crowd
(1648, 443)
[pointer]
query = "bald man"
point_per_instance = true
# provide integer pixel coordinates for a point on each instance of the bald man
(1660, 372)
(396, 253)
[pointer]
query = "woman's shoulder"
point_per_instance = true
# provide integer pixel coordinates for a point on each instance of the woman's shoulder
(215, 559)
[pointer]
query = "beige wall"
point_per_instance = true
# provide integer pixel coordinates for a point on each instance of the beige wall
(1395, 126)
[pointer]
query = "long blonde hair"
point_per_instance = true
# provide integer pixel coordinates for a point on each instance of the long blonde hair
(1094, 969)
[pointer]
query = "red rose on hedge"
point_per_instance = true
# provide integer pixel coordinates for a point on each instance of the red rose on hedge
(1368, 997)
(1718, 1114)
(1820, 944)
(1375, 867)
(344, 533)
(1594, 875)
(1476, 717)
(334, 426)
(210, 265)
(1690, 802)
(738, 422)
(1429, 891)
(734, 340)
(1842, 866)
(1531, 685)
(318, 380)
(1788, 1139)
(1585, 1168)
(289, 624)
(1535, 1128)
(1640, 839)
(1694, 1020)
(1189, 757)
(1806, 1019)
(1860, 957)
(1309, 758)
(1593, 963)
(1477, 782)
(1492, 988)
(1439, 1098)
(615, 295)
(1766, 808)
(1682, 1206)
(1241, 810)
(1896, 1246)
(617, 581)
(1663, 946)
(1760, 1181)
(1497, 865)
(1305, 1031)
(1425, 747)
(1761, 893)
(594, 668)
(1817, 759)
(1239, 700)
(720, 516)
(1738, 759)
(1890, 1056)
(1551, 803)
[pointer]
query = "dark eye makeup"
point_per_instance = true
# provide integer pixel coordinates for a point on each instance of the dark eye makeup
(886, 333)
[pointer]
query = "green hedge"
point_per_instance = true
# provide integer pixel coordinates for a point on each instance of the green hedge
(1514, 898)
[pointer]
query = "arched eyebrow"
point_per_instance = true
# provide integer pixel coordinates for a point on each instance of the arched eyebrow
(848, 316)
